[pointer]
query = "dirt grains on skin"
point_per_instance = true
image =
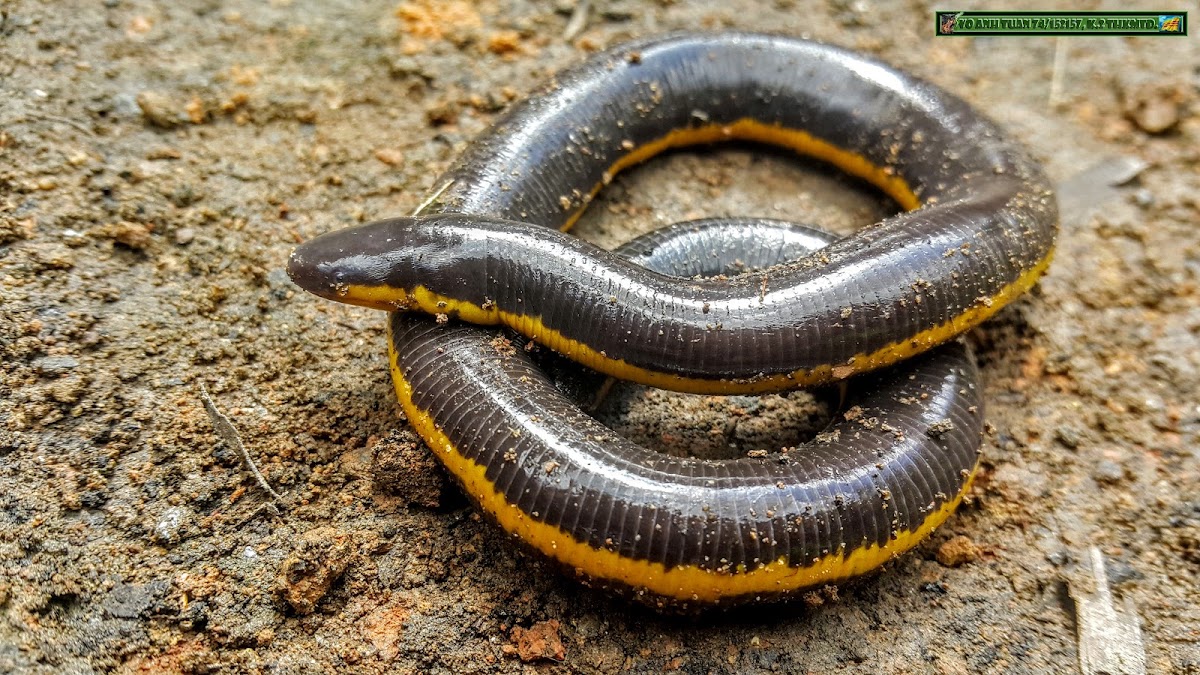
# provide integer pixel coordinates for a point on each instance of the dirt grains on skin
(158, 161)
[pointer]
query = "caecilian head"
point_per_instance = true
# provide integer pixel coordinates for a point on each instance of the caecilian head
(380, 264)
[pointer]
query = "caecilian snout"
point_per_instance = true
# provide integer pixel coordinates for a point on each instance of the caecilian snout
(369, 265)
(310, 273)
(365, 255)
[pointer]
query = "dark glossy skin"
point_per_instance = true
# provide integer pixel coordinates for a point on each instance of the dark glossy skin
(691, 532)
(900, 451)
(983, 234)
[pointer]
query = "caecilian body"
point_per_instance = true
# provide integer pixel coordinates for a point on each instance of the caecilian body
(978, 229)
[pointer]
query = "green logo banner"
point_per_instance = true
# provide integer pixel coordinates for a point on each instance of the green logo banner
(964, 23)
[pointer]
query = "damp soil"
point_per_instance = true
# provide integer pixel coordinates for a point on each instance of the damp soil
(158, 161)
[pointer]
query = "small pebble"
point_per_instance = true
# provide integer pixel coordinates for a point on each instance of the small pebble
(1068, 436)
(169, 528)
(132, 601)
(319, 558)
(134, 235)
(164, 153)
(1059, 558)
(1153, 105)
(537, 643)
(55, 365)
(505, 42)
(184, 236)
(403, 466)
(441, 114)
(616, 11)
(74, 238)
(957, 551)
(158, 109)
(389, 156)
(1120, 572)
(1108, 471)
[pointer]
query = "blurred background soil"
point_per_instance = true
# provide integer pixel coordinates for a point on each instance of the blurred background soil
(158, 161)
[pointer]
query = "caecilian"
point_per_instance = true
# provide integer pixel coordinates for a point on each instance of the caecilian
(977, 230)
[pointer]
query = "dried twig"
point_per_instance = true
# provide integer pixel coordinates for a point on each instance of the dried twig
(578, 20)
(225, 430)
(1060, 68)
(61, 120)
(265, 506)
(601, 394)
(432, 198)
(1110, 642)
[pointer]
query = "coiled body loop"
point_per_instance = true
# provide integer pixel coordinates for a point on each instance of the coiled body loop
(979, 230)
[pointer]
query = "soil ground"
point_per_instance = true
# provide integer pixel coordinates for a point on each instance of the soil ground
(158, 161)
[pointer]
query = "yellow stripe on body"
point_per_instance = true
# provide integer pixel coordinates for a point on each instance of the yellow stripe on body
(385, 297)
(686, 583)
(746, 129)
